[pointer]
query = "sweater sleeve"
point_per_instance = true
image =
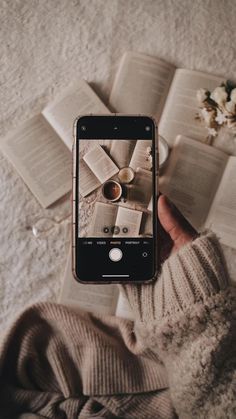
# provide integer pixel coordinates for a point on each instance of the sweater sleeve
(188, 318)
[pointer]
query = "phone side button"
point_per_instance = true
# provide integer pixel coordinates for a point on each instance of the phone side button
(73, 213)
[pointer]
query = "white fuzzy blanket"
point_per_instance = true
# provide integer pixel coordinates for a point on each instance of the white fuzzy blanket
(45, 45)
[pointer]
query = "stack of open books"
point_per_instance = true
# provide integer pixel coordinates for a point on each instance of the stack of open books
(200, 179)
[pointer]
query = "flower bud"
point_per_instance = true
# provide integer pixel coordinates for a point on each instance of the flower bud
(233, 95)
(230, 106)
(219, 95)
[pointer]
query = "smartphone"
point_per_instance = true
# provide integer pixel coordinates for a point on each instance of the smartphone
(115, 166)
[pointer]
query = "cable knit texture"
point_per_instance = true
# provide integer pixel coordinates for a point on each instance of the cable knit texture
(176, 360)
(191, 275)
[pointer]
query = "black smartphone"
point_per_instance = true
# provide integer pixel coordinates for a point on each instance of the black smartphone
(115, 166)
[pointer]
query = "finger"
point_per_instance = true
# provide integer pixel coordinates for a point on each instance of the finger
(174, 222)
(165, 244)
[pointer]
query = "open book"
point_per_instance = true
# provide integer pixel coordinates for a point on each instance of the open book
(103, 299)
(143, 84)
(201, 181)
(131, 153)
(98, 165)
(148, 85)
(40, 148)
(128, 220)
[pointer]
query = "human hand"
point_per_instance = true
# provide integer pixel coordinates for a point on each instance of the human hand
(175, 231)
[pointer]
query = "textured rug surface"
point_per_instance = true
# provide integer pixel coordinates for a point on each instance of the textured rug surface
(44, 46)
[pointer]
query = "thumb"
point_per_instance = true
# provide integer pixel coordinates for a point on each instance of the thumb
(174, 223)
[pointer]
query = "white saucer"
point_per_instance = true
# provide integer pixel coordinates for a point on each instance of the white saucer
(163, 151)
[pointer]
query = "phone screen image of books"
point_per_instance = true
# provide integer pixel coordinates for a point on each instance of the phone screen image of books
(115, 181)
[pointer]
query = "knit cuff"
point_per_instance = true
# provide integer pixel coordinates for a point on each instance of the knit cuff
(192, 274)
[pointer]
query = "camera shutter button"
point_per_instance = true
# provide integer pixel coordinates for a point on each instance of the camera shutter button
(115, 254)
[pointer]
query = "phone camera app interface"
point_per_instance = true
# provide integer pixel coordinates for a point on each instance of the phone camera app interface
(115, 187)
(115, 208)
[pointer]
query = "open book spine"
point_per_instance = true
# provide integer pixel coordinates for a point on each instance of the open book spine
(141, 85)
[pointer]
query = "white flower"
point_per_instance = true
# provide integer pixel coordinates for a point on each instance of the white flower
(219, 95)
(207, 116)
(201, 95)
(221, 117)
(212, 132)
(230, 106)
(233, 95)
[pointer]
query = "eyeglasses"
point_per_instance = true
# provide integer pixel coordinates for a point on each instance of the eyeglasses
(45, 225)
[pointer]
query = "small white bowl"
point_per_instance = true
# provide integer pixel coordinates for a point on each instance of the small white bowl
(163, 151)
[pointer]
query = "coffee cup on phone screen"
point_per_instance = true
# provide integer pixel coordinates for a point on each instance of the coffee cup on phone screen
(112, 190)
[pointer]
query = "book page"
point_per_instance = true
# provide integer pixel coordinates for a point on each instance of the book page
(87, 180)
(222, 216)
(41, 158)
(96, 298)
(121, 152)
(192, 177)
(181, 107)
(78, 99)
(104, 216)
(100, 163)
(150, 205)
(141, 84)
(123, 308)
(146, 228)
(141, 189)
(129, 219)
(140, 155)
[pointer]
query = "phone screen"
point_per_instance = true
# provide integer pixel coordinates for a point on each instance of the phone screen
(115, 202)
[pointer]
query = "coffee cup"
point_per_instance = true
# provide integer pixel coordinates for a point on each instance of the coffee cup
(112, 190)
(126, 175)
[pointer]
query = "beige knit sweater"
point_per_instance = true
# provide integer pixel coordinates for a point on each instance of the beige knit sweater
(176, 360)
